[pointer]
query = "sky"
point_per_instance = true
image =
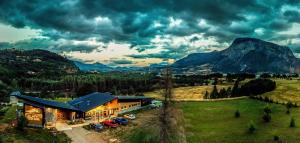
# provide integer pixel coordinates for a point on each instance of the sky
(143, 32)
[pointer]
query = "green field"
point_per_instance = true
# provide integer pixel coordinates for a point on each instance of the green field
(286, 91)
(214, 122)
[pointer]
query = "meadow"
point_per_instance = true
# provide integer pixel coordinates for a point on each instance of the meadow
(214, 122)
(185, 93)
(286, 91)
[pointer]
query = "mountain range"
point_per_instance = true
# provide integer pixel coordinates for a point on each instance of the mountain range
(243, 55)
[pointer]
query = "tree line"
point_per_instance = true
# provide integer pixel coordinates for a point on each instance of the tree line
(251, 88)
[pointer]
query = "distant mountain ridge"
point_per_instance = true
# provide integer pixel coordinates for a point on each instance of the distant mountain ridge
(244, 55)
(99, 67)
(92, 67)
(34, 63)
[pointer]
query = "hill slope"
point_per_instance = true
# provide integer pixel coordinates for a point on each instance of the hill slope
(34, 63)
(245, 55)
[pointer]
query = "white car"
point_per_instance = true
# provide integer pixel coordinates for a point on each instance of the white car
(156, 104)
(130, 116)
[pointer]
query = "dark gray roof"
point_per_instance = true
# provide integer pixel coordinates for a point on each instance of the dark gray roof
(41, 101)
(84, 103)
(90, 101)
(133, 97)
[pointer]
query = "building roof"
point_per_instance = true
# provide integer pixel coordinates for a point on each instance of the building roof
(133, 97)
(41, 101)
(83, 103)
(90, 101)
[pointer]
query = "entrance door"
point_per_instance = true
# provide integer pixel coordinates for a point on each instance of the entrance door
(62, 115)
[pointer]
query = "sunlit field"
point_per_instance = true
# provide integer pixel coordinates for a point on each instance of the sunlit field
(286, 90)
(185, 93)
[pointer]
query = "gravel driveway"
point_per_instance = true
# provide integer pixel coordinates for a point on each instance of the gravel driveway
(80, 135)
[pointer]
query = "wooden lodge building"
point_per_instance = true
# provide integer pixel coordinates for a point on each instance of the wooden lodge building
(94, 107)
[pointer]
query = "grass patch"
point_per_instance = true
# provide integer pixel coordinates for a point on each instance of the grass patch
(62, 99)
(32, 135)
(9, 115)
(214, 122)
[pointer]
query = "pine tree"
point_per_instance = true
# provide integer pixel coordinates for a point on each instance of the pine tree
(206, 95)
(223, 93)
(292, 123)
(235, 89)
(228, 94)
(214, 94)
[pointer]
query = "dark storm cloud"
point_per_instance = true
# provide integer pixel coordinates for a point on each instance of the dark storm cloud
(292, 15)
(49, 45)
(137, 22)
(122, 62)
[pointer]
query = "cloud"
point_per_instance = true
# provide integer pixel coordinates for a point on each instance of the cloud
(122, 62)
(171, 28)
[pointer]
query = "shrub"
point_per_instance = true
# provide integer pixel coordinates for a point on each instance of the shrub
(251, 128)
(288, 111)
(267, 110)
(267, 117)
(237, 114)
(276, 138)
(289, 105)
(292, 123)
(22, 122)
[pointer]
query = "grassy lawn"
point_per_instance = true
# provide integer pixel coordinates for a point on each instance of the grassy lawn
(31, 135)
(9, 115)
(190, 92)
(286, 90)
(62, 99)
(214, 122)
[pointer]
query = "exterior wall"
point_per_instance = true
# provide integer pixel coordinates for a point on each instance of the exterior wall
(50, 116)
(34, 115)
(128, 106)
(13, 100)
(103, 111)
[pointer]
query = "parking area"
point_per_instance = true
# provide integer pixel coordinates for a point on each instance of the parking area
(81, 135)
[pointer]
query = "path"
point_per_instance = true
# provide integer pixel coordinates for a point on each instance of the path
(80, 135)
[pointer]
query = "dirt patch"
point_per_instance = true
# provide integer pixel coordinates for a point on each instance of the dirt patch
(3, 127)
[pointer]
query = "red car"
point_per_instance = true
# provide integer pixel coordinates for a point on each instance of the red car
(110, 123)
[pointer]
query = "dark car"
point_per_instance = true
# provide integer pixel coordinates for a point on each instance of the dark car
(121, 121)
(98, 127)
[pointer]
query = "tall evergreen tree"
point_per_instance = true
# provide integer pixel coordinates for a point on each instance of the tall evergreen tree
(214, 94)
(235, 90)
(206, 95)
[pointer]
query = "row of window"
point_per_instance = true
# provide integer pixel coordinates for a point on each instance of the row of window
(131, 105)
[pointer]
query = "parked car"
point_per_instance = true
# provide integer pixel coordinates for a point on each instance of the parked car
(121, 121)
(98, 127)
(110, 123)
(156, 104)
(130, 116)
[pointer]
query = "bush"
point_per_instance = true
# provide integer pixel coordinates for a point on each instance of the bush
(267, 117)
(22, 122)
(237, 114)
(267, 110)
(276, 138)
(292, 123)
(288, 111)
(251, 128)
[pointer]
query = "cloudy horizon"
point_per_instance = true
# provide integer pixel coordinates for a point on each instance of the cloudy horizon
(141, 32)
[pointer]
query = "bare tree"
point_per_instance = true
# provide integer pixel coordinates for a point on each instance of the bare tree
(165, 131)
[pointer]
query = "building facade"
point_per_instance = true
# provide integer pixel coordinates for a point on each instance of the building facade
(94, 107)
